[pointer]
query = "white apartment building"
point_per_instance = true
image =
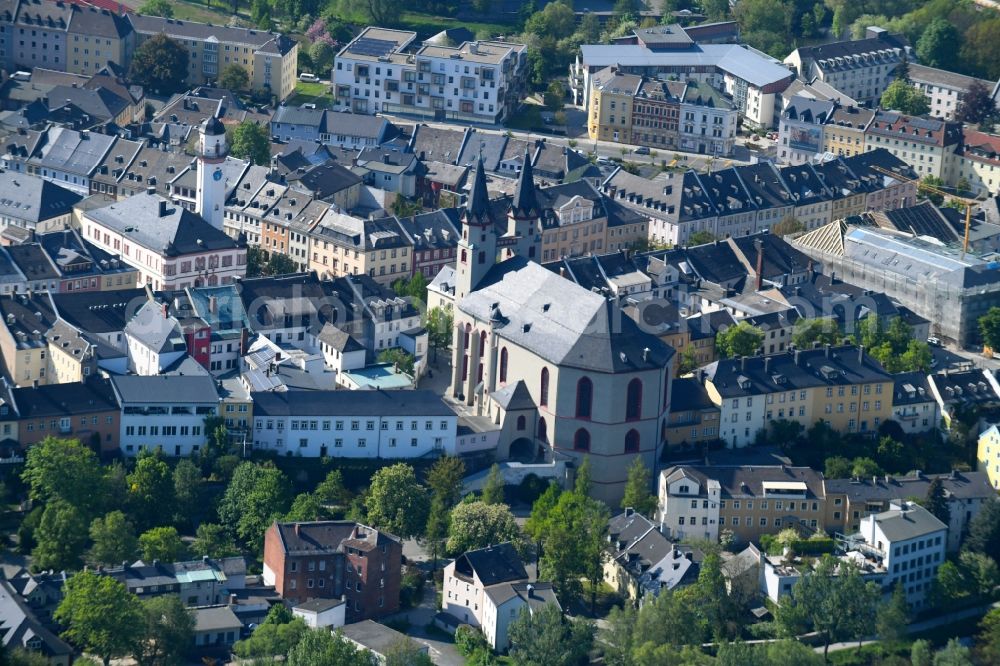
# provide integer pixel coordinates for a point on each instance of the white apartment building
(165, 411)
(707, 121)
(686, 508)
(927, 145)
(170, 246)
(381, 70)
(353, 424)
(944, 89)
(910, 543)
(466, 579)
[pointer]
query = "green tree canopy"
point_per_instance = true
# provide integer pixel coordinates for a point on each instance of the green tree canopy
(546, 638)
(901, 96)
(61, 537)
(234, 77)
(157, 8)
(100, 615)
(187, 490)
(938, 46)
(977, 105)
(250, 141)
(477, 525)
(320, 647)
(984, 531)
(255, 497)
(305, 507)
(168, 632)
(493, 486)
(397, 502)
(211, 539)
(638, 489)
(989, 328)
(150, 490)
(161, 543)
(114, 540)
(161, 64)
(821, 330)
(445, 479)
(743, 339)
(271, 638)
(65, 469)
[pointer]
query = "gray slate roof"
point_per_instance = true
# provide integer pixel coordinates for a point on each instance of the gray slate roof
(181, 389)
(350, 403)
(910, 523)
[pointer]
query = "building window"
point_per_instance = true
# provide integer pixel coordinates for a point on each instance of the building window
(544, 388)
(584, 398)
(503, 364)
(543, 430)
(520, 422)
(632, 441)
(581, 440)
(633, 401)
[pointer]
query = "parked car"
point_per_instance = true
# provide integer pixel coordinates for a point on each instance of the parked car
(642, 150)
(308, 78)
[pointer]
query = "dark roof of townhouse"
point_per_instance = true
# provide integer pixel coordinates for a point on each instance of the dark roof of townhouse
(339, 339)
(804, 183)
(489, 146)
(178, 28)
(808, 110)
(51, 15)
(304, 115)
(359, 125)
(33, 198)
(73, 151)
(325, 180)
(786, 371)
(33, 262)
(434, 230)
(923, 219)
(765, 185)
(26, 319)
(22, 629)
(325, 536)
(185, 389)
(862, 163)
(957, 485)
(968, 386)
(99, 311)
(94, 395)
(915, 128)
(748, 480)
(161, 226)
(853, 47)
(442, 145)
(728, 191)
(350, 403)
(716, 262)
(688, 394)
(780, 258)
(99, 22)
(495, 564)
(100, 103)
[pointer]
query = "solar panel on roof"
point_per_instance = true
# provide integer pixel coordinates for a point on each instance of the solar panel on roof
(372, 47)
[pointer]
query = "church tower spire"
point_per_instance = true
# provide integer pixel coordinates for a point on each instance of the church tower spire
(210, 197)
(477, 248)
(523, 214)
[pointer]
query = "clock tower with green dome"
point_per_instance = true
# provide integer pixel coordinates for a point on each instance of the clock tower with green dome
(210, 200)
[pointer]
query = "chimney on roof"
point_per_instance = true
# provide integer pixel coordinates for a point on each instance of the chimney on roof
(767, 363)
(861, 354)
(629, 511)
(743, 363)
(296, 529)
(162, 208)
(213, 304)
(166, 310)
(760, 262)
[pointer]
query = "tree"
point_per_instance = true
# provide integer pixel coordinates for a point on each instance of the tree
(938, 46)
(406, 652)
(397, 502)
(161, 543)
(720, 612)
(211, 539)
(436, 530)
(892, 617)
(979, 48)
(445, 479)
(398, 358)
(936, 502)
(984, 531)
(687, 361)
(383, 12)
(61, 537)
(987, 649)
(187, 490)
(280, 264)
(573, 539)
(953, 654)
(980, 572)
(701, 238)
(150, 490)
(234, 77)
(254, 498)
(440, 324)
(788, 225)
(742, 339)
(807, 332)
(160, 63)
(64, 469)
(555, 96)
(168, 632)
(556, 21)
(161, 8)
(638, 493)
(546, 638)
(321, 647)
(250, 141)
(989, 328)
(332, 490)
(541, 510)
(715, 10)
(305, 507)
(901, 96)
(865, 468)
(493, 486)
(477, 525)
(920, 653)
(100, 615)
(114, 539)
(977, 105)
(276, 635)
(322, 54)
(618, 635)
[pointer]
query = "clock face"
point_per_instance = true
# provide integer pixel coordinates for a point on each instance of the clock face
(217, 174)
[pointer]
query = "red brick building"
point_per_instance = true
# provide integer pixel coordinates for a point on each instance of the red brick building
(331, 559)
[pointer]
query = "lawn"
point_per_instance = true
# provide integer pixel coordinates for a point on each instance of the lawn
(311, 93)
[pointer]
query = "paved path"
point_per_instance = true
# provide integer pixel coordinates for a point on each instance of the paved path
(442, 651)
